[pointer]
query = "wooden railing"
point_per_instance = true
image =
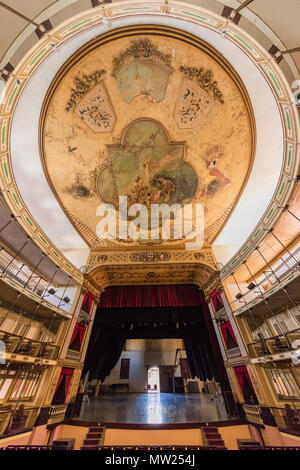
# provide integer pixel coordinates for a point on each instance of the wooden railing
(274, 345)
(13, 421)
(57, 413)
(253, 413)
(28, 347)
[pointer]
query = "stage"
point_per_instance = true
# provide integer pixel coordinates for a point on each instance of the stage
(152, 408)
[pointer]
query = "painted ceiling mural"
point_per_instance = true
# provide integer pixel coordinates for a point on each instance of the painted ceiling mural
(153, 118)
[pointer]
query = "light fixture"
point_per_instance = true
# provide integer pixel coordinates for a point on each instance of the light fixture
(107, 21)
(238, 296)
(224, 33)
(232, 14)
(42, 28)
(251, 286)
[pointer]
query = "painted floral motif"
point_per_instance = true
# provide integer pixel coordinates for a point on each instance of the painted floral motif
(96, 111)
(193, 104)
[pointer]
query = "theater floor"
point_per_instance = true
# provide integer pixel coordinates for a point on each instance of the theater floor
(152, 408)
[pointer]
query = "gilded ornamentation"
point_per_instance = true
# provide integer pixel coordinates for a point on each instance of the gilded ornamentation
(139, 49)
(82, 86)
(150, 257)
(205, 80)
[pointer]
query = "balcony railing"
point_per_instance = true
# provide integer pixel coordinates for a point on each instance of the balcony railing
(286, 419)
(274, 345)
(28, 347)
(253, 413)
(269, 279)
(233, 352)
(13, 421)
(22, 274)
(57, 413)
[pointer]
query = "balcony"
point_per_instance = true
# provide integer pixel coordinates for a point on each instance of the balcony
(18, 345)
(233, 352)
(253, 414)
(286, 419)
(59, 296)
(14, 421)
(283, 271)
(279, 344)
(57, 414)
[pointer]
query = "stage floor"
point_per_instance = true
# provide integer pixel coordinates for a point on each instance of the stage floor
(152, 408)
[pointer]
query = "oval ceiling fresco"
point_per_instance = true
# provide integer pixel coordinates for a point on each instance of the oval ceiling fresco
(150, 113)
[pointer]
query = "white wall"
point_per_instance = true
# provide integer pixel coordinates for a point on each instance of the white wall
(144, 354)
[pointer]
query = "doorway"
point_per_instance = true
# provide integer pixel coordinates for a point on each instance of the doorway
(153, 380)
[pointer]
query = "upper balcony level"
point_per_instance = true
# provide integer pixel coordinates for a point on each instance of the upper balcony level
(267, 285)
(30, 282)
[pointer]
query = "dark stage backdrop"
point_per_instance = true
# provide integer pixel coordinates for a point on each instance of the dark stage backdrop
(140, 312)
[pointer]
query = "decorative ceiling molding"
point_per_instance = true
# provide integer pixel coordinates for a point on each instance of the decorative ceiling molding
(153, 274)
(106, 258)
(203, 79)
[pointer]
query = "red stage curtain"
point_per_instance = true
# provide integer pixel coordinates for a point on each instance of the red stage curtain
(214, 296)
(151, 296)
(82, 329)
(88, 297)
(67, 374)
(241, 373)
(75, 332)
(227, 327)
(59, 382)
(77, 329)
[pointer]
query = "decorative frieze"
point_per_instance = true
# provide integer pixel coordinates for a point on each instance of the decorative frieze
(140, 49)
(82, 86)
(204, 78)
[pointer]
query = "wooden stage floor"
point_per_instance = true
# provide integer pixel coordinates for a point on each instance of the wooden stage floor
(153, 408)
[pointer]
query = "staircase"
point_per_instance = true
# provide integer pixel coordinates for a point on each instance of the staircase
(93, 439)
(212, 437)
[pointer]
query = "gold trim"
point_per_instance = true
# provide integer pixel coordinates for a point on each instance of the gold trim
(156, 30)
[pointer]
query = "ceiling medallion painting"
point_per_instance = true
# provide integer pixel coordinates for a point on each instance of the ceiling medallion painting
(96, 110)
(138, 68)
(193, 105)
(162, 120)
(147, 168)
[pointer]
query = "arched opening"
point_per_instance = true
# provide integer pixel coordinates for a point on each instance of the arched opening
(153, 385)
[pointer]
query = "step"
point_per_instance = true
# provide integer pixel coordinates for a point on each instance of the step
(213, 435)
(94, 435)
(216, 442)
(96, 429)
(91, 442)
(89, 447)
(210, 429)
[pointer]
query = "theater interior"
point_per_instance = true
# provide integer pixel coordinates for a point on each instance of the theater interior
(184, 340)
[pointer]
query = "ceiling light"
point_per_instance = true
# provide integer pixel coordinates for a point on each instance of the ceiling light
(251, 286)
(42, 28)
(224, 33)
(107, 21)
